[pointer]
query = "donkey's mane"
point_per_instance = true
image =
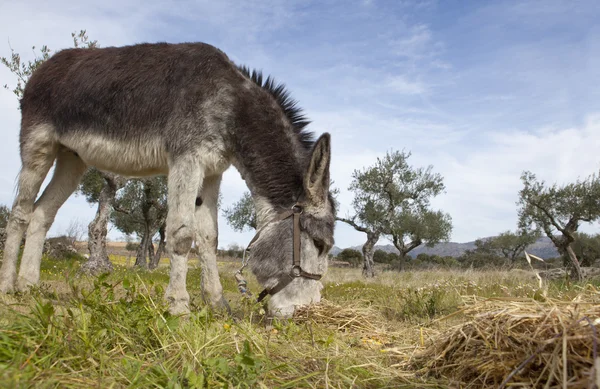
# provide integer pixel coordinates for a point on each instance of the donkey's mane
(289, 106)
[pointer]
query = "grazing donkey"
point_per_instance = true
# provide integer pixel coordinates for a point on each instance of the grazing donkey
(187, 111)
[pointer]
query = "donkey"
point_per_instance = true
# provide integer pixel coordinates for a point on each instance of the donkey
(188, 112)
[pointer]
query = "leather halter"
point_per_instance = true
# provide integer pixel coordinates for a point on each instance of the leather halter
(296, 270)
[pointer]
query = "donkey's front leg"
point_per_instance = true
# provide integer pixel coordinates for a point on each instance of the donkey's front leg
(207, 241)
(185, 176)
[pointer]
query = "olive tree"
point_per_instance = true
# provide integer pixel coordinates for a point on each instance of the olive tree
(508, 245)
(394, 198)
(99, 188)
(141, 208)
(559, 210)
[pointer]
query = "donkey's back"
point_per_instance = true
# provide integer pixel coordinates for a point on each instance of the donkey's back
(134, 105)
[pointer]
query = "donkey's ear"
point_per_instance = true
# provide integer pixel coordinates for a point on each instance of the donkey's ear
(316, 180)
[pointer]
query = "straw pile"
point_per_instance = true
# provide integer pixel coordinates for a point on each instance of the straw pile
(523, 344)
(349, 318)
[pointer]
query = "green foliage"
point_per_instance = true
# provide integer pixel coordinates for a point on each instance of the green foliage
(394, 198)
(423, 303)
(60, 267)
(381, 256)
(245, 370)
(426, 261)
(4, 214)
(587, 248)
(353, 257)
(23, 69)
(233, 251)
(482, 258)
(510, 245)
(242, 215)
(91, 185)
(81, 40)
(132, 246)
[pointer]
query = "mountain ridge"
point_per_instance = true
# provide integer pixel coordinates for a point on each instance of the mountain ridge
(543, 248)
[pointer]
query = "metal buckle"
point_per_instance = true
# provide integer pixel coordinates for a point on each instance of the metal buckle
(296, 271)
(297, 208)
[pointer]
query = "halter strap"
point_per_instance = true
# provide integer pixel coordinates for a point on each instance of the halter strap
(296, 270)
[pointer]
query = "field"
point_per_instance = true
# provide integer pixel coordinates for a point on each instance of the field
(114, 332)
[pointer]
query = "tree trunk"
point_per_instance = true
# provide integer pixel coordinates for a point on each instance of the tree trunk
(140, 258)
(576, 271)
(161, 247)
(98, 261)
(403, 250)
(368, 251)
(150, 250)
(401, 261)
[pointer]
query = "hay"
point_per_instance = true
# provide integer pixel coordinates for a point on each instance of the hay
(349, 318)
(523, 344)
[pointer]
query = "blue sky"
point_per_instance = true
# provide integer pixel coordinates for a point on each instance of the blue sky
(481, 90)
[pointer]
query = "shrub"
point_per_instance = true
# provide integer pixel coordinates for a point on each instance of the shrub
(353, 257)
(381, 256)
(132, 246)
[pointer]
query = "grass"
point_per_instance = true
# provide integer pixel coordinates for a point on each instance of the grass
(115, 331)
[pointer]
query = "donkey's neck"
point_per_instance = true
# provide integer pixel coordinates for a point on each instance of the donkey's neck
(272, 161)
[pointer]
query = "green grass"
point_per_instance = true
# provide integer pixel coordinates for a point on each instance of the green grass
(115, 331)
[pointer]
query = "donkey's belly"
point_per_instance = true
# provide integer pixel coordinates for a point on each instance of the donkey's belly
(133, 158)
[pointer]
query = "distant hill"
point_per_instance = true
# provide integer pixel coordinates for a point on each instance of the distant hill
(543, 248)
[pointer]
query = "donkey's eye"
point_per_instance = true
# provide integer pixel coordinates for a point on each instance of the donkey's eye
(320, 245)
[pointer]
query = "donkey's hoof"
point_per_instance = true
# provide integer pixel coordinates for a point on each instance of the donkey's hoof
(217, 303)
(7, 286)
(178, 307)
(223, 305)
(24, 285)
(179, 310)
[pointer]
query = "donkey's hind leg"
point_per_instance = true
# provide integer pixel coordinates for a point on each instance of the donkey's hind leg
(67, 173)
(185, 176)
(207, 241)
(38, 152)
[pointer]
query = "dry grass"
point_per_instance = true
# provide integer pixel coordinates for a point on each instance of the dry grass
(530, 344)
(419, 278)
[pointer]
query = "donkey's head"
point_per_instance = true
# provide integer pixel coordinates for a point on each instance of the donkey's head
(290, 254)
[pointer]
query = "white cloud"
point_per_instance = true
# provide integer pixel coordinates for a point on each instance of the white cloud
(401, 84)
(482, 187)
(417, 45)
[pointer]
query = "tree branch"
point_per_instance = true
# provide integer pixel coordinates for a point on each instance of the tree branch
(398, 244)
(121, 210)
(413, 245)
(353, 224)
(548, 215)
